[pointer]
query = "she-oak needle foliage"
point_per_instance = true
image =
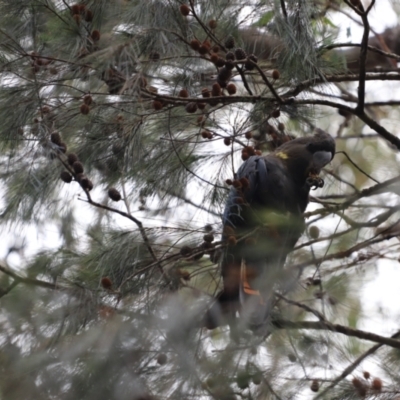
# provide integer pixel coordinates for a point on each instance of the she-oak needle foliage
(122, 126)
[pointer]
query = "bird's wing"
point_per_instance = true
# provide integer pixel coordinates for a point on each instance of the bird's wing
(253, 179)
(265, 235)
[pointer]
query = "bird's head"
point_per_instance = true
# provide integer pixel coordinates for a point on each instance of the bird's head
(306, 156)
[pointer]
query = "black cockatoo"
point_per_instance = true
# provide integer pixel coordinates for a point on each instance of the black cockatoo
(262, 222)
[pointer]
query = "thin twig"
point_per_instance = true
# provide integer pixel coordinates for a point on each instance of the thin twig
(363, 59)
(28, 281)
(348, 370)
(324, 324)
(370, 48)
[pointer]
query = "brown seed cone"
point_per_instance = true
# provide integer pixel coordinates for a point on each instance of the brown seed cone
(114, 194)
(357, 383)
(212, 23)
(203, 49)
(66, 177)
(376, 385)
(216, 49)
(185, 251)
(72, 157)
(313, 231)
(95, 35)
(209, 237)
(245, 155)
(204, 134)
(88, 99)
(229, 42)
(157, 105)
(249, 65)
(106, 282)
(231, 88)
(275, 74)
(77, 18)
(216, 89)
(240, 54)
(229, 182)
(201, 106)
(220, 62)
(275, 114)
(184, 9)
(183, 93)
(55, 137)
(82, 8)
(237, 184)
(205, 92)
(78, 167)
(214, 58)
(191, 107)
(230, 56)
(227, 141)
(248, 135)
(162, 359)
(314, 385)
(250, 150)
(195, 44)
(88, 16)
(85, 109)
(366, 374)
(75, 9)
(86, 183)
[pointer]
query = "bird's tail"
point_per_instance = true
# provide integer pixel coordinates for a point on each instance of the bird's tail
(222, 311)
(254, 305)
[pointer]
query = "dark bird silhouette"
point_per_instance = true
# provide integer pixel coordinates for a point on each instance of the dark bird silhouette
(262, 222)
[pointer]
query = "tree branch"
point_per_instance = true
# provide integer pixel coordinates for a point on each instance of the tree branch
(344, 330)
(349, 369)
(28, 281)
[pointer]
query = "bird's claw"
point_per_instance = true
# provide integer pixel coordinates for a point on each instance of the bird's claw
(315, 182)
